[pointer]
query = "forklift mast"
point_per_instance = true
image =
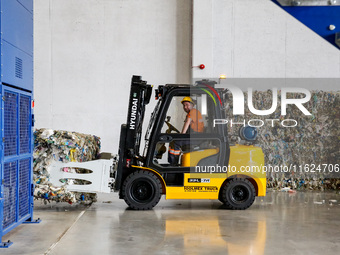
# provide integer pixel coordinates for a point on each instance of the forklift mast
(131, 132)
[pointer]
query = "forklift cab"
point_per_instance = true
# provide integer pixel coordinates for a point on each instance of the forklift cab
(198, 148)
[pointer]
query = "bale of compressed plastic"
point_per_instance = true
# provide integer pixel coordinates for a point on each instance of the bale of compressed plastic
(65, 146)
(310, 150)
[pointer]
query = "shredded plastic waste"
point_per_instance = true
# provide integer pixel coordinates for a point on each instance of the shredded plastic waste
(57, 145)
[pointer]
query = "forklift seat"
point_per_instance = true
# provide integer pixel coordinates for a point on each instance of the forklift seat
(192, 158)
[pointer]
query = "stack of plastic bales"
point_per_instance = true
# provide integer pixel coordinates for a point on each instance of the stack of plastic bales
(315, 140)
(56, 145)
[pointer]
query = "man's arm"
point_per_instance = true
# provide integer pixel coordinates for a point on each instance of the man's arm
(186, 125)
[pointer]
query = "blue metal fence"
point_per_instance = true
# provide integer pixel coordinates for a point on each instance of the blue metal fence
(10, 123)
(24, 187)
(10, 194)
(16, 158)
(24, 124)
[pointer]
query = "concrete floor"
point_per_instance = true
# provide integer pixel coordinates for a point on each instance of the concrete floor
(280, 223)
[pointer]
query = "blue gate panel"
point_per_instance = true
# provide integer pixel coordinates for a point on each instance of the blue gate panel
(24, 187)
(17, 28)
(10, 194)
(25, 121)
(10, 123)
(16, 170)
(17, 67)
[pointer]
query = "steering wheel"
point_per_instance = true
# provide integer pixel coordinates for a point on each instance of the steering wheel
(171, 128)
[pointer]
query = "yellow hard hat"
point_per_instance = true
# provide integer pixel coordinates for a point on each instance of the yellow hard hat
(187, 99)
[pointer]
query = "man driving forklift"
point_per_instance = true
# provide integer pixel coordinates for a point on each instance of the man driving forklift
(193, 124)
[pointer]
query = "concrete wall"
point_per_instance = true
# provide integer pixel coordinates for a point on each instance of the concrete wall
(86, 52)
(256, 38)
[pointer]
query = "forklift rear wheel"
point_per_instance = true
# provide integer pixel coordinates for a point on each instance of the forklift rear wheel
(238, 194)
(142, 190)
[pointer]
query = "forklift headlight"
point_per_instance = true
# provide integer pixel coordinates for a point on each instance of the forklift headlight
(248, 133)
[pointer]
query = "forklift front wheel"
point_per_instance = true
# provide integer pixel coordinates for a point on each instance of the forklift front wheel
(238, 194)
(142, 190)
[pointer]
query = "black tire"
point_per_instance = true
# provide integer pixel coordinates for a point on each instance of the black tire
(142, 190)
(220, 197)
(238, 194)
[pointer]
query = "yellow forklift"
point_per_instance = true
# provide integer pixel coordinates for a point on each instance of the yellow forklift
(208, 167)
